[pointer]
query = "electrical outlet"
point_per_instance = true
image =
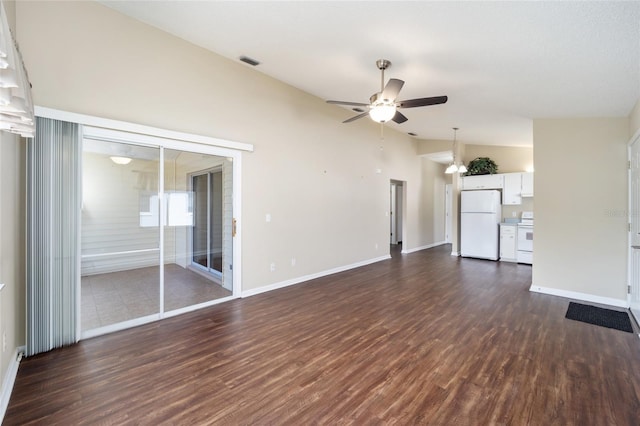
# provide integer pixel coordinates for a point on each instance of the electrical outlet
(273, 267)
(293, 261)
(376, 246)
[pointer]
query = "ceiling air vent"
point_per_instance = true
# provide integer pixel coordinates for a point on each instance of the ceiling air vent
(250, 61)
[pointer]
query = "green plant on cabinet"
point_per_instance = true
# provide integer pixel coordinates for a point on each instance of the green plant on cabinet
(481, 166)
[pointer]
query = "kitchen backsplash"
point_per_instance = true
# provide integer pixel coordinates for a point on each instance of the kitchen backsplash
(508, 210)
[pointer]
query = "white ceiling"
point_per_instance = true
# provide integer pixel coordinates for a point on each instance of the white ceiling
(501, 64)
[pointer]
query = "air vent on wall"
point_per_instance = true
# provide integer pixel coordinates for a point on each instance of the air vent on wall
(250, 61)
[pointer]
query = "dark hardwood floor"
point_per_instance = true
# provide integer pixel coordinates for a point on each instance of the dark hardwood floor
(424, 338)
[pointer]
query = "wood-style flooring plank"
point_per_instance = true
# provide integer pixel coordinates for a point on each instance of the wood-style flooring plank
(423, 338)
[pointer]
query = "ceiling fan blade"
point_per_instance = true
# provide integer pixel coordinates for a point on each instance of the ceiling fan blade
(358, 104)
(392, 89)
(412, 103)
(364, 114)
(399, 117)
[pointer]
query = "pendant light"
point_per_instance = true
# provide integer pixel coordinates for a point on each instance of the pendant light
(453, 166)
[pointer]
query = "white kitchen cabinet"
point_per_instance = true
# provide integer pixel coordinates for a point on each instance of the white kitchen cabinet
(511, 194)
(508, 235)
(527, 184)
(495, 181)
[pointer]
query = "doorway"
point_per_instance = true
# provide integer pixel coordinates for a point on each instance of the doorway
(396, 212)
(448, 212)
(634, 228)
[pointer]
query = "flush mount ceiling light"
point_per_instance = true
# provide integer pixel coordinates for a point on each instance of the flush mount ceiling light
(121, 160)
(453, 166)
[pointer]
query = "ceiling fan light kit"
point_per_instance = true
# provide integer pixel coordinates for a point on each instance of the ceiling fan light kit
(382, 112)
(383, 106)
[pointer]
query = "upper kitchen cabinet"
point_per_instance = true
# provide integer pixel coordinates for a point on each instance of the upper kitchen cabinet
(483, 182)
(527, 184)
(511, 193)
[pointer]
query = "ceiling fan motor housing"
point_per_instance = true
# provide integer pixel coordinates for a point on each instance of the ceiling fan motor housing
(383, 64)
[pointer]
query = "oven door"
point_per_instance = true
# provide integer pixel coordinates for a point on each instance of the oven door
(525, 238)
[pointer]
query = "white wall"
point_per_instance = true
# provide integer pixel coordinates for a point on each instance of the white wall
(315, 176)
(432, 214)
(510, 159)
(580, 206)
(12, 297)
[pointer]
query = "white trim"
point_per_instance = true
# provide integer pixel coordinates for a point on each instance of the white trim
(635, 136)
(9, 380)
(302, 279)
(94, 332)
(428, 246)
(89, 120)
(167, 142)
(192, 308)
(620, 303)
(455, 253)
(150, 318)
(635, 139)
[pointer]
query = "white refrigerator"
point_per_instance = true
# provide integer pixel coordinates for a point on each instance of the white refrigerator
(480, 216)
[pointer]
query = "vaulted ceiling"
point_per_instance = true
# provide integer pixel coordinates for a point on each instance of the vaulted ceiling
(502, 64)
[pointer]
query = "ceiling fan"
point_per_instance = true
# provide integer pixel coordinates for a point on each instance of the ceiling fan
(383, 105)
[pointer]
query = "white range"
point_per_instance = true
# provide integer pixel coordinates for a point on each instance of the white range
(525, 239)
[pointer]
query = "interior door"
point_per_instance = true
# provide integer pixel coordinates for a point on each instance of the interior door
(448, 206)
(392, 214)
(634, 228)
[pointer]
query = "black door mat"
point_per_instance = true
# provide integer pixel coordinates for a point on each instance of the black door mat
(599, 316)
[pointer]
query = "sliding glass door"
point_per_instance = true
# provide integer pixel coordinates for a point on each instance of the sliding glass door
(207, 230)
(156, 235)
(120, 238)
(195, 248)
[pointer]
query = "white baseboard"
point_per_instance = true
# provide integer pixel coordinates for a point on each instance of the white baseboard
(455, 253)
(585, 297)
(428, 246)
(299, 280)
(9, 380)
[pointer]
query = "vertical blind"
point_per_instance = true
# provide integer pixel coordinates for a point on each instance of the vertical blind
(53, 226)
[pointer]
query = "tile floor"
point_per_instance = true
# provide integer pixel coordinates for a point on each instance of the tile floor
(125, 295)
